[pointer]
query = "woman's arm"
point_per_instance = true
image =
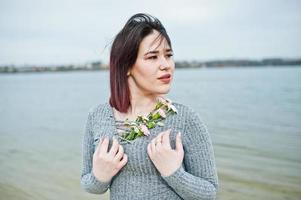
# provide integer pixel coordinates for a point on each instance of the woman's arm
(88, 181)
(200, 180)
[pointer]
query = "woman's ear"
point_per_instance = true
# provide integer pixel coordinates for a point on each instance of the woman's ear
(129, 73)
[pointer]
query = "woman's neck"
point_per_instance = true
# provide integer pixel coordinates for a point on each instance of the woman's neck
(142, 102)
(141, 106)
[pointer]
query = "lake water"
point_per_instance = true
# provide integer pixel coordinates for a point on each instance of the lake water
(253, 115)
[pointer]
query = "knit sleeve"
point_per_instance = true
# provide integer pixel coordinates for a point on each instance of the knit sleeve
(88, 181)
(199, 178)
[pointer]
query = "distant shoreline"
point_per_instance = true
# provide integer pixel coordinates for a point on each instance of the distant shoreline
(94, 66)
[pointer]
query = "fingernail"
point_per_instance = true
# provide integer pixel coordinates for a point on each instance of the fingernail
(180, 134)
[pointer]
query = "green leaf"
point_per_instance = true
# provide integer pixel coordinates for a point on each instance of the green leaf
(151, 124)
(156, 116)
(131, 136)
(158, 105)
(140, 133)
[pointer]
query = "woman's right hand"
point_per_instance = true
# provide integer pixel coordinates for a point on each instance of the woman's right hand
(107, 164)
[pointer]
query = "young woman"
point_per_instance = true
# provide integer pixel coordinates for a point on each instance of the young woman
(140, 145)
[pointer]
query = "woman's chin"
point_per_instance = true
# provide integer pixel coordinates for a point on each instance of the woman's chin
(164, 90)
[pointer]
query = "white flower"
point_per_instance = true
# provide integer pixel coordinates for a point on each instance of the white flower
(161, 113)
(145, 130)
(136, 129)
(173, 108)
(168, 100)
(160, 99)
(164, 100)
(145, 119)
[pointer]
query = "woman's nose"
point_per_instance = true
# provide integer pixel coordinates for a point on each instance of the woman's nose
(164, 63)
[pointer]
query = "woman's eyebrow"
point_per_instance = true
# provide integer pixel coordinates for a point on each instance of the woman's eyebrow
(151, 52)
(155, 52)
(168, 50)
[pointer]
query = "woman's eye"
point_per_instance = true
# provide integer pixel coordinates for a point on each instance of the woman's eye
(153, 57)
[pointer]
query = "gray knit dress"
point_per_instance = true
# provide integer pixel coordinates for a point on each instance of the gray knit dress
(139, 179)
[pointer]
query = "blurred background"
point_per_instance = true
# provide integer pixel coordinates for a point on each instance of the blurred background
(238, 65)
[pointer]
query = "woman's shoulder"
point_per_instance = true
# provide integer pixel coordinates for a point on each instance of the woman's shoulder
(184, 109)
(188, 113)
(100, 109)
(193, 118)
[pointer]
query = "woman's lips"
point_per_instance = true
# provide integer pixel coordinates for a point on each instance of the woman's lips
(166, 78)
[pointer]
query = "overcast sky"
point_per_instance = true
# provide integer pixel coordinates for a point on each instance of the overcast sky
(49, 32)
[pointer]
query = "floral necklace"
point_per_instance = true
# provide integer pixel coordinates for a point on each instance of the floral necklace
(140, 127)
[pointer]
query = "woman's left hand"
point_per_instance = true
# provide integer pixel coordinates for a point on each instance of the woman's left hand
(166, 159)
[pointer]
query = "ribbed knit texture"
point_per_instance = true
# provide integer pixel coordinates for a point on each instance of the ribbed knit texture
(139, 179)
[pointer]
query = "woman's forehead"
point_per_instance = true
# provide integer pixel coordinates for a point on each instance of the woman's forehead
(157, 43)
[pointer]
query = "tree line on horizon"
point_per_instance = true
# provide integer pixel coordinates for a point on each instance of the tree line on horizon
(98, 65)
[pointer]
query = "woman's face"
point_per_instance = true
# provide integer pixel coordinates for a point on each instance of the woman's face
(154, 60)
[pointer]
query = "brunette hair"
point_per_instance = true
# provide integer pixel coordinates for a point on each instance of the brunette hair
(124, 52)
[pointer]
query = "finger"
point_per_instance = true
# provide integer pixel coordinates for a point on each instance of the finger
(98, 145)
(123, 161)
(149, 150)
(120, 153)
(114, 148)
(104, 146)
(179, 145)
(159, 136)
(153, 145)
(166, 140)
